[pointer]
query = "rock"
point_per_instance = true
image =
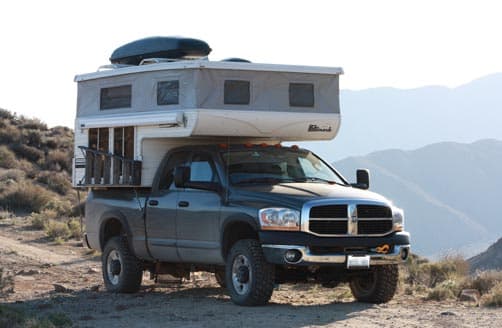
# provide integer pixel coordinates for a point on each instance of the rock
(470, 295)
(92, 270)
(61, 289)
(448, 313)
(94, 288)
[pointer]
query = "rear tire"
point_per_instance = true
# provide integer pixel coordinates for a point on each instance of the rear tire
(249, 277)
(122, 271)
(377, 286)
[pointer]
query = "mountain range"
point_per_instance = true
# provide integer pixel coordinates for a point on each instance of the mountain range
(388, 118)
(449, 192)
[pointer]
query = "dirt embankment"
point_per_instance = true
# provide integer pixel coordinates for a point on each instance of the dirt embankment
(66, 279)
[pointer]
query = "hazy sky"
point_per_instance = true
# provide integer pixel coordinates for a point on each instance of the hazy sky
(403, 44)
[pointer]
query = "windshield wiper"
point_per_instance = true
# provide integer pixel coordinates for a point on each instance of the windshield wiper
(314, 179)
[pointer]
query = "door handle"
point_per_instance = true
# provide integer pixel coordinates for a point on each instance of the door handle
(153, 202)
(183, 204)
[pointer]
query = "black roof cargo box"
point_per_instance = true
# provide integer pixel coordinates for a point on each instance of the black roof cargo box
(159, 47)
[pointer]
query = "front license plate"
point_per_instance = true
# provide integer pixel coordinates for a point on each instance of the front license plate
(358, 262)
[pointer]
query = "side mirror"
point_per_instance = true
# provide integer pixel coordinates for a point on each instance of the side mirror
(362, 179)
(181, 176)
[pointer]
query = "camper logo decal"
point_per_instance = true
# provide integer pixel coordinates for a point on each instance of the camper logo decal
(319, 128)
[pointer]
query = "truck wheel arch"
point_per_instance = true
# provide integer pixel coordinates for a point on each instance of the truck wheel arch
(235, 229)
(113, 223)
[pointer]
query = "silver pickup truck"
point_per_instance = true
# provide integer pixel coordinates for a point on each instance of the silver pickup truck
(256, 216)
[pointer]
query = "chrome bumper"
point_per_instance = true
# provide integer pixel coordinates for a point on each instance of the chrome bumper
(276, 254)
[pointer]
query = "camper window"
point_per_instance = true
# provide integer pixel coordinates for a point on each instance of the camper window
(116, 97)
(236, 92)
(123, 142)
(168, 92)
(301, 95)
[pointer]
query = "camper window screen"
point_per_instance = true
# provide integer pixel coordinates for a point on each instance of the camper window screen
(116, 97)
(236, 92)
(301, 95)
(168, 92)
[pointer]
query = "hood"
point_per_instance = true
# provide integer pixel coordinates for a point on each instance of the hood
(295, 194)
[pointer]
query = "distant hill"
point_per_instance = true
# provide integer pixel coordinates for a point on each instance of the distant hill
(35, 166)
(450, 192)
(491, 259)
(388, 118)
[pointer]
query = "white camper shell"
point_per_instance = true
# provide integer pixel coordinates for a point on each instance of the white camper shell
(128, 117)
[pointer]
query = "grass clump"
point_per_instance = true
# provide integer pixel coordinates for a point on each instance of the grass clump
(494, 297)
(447, 289)
(57, 230)
(75, 228)
(40, 220)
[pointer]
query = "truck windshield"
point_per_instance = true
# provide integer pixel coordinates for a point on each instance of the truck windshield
(277, 165)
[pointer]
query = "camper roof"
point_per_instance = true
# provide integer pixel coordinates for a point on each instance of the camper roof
(202, 64)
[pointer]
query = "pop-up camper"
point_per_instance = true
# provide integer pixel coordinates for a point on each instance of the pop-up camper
(164, 92)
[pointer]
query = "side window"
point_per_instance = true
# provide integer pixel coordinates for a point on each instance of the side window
(167, 176)
(301, 95)
(116, 97)
(202, 169)
(168, 92)
(236, 92)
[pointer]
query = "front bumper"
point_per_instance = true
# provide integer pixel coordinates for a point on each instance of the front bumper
(312, 250)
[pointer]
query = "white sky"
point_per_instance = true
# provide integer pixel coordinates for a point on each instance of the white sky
(403, 44)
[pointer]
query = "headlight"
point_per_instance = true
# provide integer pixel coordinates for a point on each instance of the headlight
(279, 219)
(397, 219)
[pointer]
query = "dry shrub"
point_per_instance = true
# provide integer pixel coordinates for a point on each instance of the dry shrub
(25, 197)
(7, 158)
(57, 229)
(447, 289)
(56, 181)
(30, 153)
(75, 228)
(483, 281)
(494, 298)
(9, 134)
(430, 274)
(32, 124)
(58, 160)
(40, 220)
(11, 176)
(5, 114)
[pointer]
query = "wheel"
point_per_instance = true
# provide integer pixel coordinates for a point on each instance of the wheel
(249, 278)
(219, 274)
(122, 271)
(377, 286)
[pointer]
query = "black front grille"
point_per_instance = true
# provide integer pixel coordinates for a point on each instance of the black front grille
(374, 227)
(329, 211)
(373, 211)
(328, 227)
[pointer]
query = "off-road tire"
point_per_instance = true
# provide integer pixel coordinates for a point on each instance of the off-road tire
(378, 286)
(128, 280)
(219, 275)
(261, 274)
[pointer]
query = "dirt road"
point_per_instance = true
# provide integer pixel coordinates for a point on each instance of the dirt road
(67, 279)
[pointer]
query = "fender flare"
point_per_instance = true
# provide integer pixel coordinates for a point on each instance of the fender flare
(114, 215)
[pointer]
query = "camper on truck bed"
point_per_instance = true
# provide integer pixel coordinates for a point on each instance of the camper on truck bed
(186, 169)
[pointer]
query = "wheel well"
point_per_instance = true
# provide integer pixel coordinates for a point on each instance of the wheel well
(112, 227)
(235, 232)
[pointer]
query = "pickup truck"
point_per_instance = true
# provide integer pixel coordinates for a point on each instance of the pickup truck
(255, 215)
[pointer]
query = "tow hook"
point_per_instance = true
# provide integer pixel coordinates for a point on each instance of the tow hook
(384, 249)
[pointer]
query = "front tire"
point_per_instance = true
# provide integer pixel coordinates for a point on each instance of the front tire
(122, 271)
(249, 277)
(377, 286)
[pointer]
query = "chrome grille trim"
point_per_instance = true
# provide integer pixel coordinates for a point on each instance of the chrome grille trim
(352, 216)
